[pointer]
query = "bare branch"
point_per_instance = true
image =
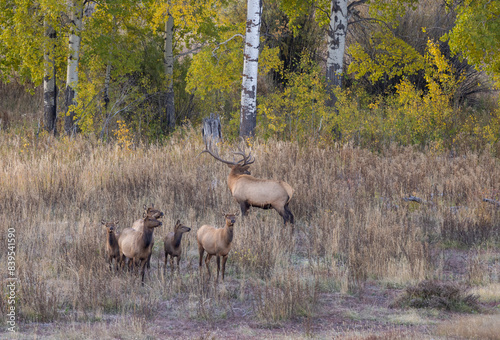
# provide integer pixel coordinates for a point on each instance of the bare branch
(225, 42)
(492, 201)
(413, 199)
(355, 4)
(190, 51)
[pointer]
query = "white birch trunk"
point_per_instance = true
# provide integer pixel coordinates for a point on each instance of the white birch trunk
(107, 77)
(336, 46)
(49, 82)
(248, 115)
(76, 15)
(169, 72)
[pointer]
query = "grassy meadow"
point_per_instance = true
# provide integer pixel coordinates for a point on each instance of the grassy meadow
(358, 244)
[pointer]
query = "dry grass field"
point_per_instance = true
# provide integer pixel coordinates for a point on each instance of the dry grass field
(362, 263)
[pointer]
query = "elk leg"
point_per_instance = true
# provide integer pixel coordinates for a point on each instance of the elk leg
(178, 260)
(148, 261)
(282, 213)
(207, 261)
(122, 261)
(289, 214)
(201, 251)
(224, 259)
(244, 208)
(143, 269)
(166, 261)
(285, 213)
(171, 263)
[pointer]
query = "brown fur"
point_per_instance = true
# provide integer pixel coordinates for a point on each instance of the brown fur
(112, 249)
(249, 191)
(216, 242)
(136, 244)
(138, 225)
(172, 244)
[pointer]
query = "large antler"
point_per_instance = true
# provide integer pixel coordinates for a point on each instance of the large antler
(217, 157)
(247, 160)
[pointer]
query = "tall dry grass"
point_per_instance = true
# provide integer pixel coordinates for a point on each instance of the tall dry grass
(351, 223)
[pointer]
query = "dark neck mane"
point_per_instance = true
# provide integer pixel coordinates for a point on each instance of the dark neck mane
(177, 239)
(147, 237)
(112, 241)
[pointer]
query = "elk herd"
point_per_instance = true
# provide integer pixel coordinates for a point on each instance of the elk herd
(132, 247)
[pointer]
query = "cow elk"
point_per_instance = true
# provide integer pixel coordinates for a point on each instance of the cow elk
(249, 191)
(216, 242)
(136, 244)
(172, 243)
(112, 249)
(138, 224)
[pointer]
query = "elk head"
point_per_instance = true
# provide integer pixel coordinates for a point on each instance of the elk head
(152, 212)
(110, 226)
(179, 227)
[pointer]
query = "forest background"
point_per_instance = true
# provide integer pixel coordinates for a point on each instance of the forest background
(414, 73)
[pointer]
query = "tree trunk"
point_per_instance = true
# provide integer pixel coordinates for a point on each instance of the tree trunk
(169, 72)
(211, 131)
(76, 12)
(248, 115)
(107, 79)
(336, 46)
(49, 83)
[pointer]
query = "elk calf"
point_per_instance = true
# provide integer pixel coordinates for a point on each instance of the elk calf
(172, 243)
(249, 191)
(136, 244)
(216, 242)
(112, 249)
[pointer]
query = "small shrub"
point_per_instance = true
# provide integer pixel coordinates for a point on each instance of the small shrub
(441, 295)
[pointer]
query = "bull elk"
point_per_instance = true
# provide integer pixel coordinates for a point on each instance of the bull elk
(249, 191)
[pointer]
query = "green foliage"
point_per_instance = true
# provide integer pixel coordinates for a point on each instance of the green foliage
(23, 39)
(419, 87)
(387, 56)
(298, 111)
(412, 116)
(390, 11)
(476, 34)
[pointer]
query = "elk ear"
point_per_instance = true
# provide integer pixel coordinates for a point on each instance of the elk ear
(102, 222)
(116, 222)
(178, 222)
